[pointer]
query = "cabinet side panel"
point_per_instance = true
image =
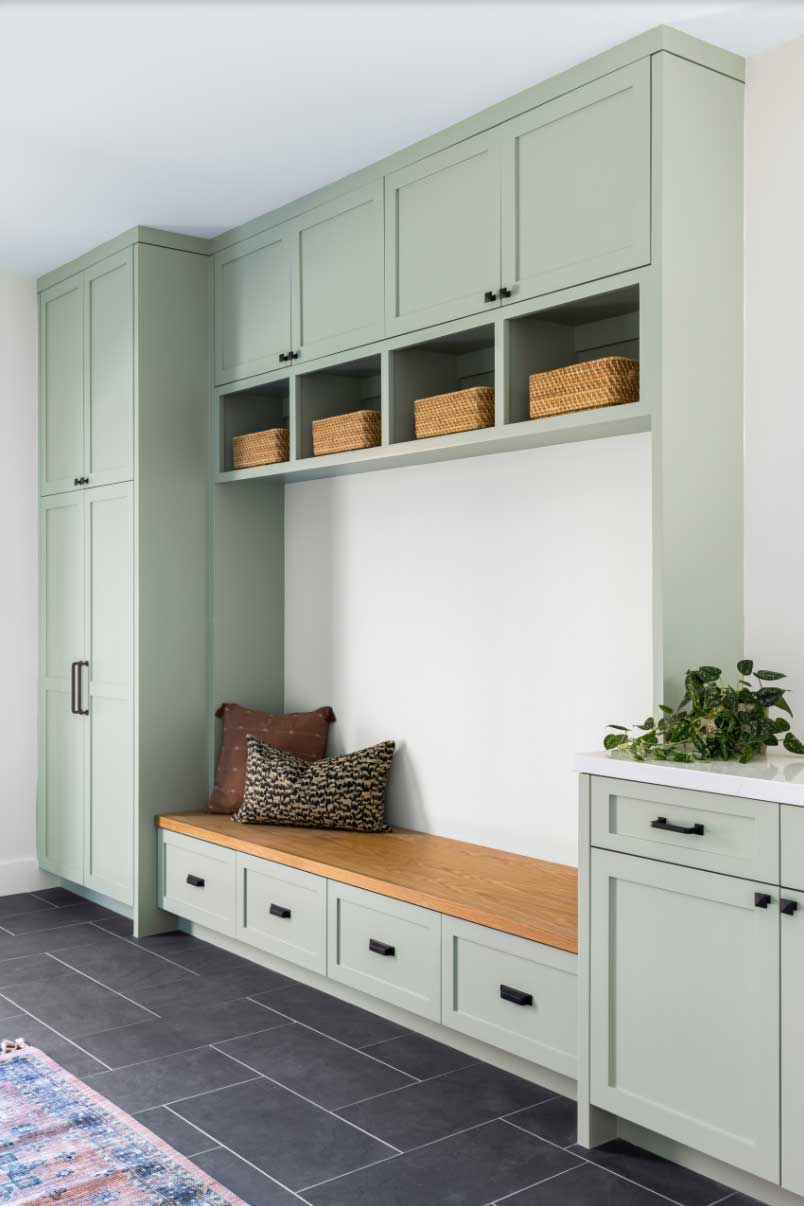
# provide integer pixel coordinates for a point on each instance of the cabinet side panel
(171, 542)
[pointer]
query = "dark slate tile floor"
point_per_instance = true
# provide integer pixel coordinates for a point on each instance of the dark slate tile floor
(285, 1094)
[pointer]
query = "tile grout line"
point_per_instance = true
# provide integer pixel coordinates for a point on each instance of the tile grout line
(507, 1196)
(424, 1080)
(100, 984)
(59, 1034)
(37, 896)
(350, 1171)
(147, 950)
(567, 1150)
(169, 1055)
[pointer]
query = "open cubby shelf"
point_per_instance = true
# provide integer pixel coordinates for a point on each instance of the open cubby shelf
(502, 352)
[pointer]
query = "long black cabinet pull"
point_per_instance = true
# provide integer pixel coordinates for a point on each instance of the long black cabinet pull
(80, 710)
(663, 823)
(195, 881)
(515, 995)
(381, 948)
(74, 688)
(279, 911)
(788, 907)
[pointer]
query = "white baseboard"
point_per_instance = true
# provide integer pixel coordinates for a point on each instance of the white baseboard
(24, 875)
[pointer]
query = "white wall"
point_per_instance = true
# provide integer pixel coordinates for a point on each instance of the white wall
(774, 365)
(18, 608)
(492, 615)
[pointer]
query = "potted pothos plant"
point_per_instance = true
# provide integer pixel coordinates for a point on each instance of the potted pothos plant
(713, 720)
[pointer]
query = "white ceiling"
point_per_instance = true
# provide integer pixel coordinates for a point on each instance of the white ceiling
(198, 116)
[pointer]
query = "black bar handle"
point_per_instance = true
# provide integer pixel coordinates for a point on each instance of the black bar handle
(663, 823)
(381, 948)
(515, 995)
(279, 911)
(293, 355)
(761, 900)
(80, 709)
(489, 296)
(788, 907)
(73, 691)
(504, 292)
(283, 356)
(195, 881)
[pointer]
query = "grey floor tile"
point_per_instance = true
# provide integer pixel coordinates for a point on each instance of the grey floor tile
(681, 1184)
(18, 971)
(242, 1179)
(59, 897)
(586, 1186)
(124, 967)
(419, 1056)
(160, 1081)
(52, 919)
(120, 926)
(328, 1073)
(179, 1134)
(436, 1108)
(206, 959)
(168, 999)
(21, 902)
(285, 1136)
(74, 1005)
(334, 1017)
(48, 940)
(65, 1053)
(555, 1120)
(469, 1169)
(171, 943)
(9, 1016)
(192, 1027)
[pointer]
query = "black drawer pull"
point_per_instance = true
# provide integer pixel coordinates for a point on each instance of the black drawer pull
(279, 911)
(788, 907)
(663, 823)
(515, 995)
(381, 948)
(195, 881)
(761, 900)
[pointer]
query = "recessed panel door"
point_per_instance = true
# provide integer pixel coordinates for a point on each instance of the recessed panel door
(252, 305)
(61, 385)
(109, 351)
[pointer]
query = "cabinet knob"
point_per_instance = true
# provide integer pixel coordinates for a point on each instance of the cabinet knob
(505, 292)
(283, 356)
(761, 900)
(488, 296)
(293, 355)
(788, 907)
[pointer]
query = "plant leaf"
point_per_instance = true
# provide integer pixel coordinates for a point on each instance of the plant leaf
(769, 676)
(745, 666)
(785, 706)
(768, 696)
(612, 740)
(792, 744)
(650, 723)
(709, 674)
(780, 725)
(621, 727)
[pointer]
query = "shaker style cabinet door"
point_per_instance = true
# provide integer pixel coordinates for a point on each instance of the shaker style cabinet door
(252, 305)
(61, 385)
(792, 925)
(63, 731)
(109, 375)
(576, 185)
(107, 688)
(338, 272)
(443, 240)
(685, 1006)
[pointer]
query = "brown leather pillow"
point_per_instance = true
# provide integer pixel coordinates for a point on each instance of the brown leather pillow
(303, 734)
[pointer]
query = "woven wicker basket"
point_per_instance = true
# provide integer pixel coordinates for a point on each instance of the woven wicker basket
(464, 410)
(260, 448)
(607, 382)
(343, 433)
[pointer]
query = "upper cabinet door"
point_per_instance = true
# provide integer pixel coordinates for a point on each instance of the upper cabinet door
(252, 305)
(109, 377)
(576, 185)
(61, 385)
(338, 260)
(443, 244)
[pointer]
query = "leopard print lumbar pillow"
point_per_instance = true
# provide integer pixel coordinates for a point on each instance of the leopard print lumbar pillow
(347, 792)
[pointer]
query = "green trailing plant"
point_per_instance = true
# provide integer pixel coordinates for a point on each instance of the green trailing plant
(713, 721)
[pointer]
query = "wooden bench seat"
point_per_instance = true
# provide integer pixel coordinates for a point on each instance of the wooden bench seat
(510, 892)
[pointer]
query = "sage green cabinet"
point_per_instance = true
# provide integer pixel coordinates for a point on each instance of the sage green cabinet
(684, 1008)
(576, 185)
(252, 305)
(87, 377)
(792, 946)
(443, 235)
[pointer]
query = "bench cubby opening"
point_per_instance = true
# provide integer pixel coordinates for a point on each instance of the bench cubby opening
(336, 390)
(254, 409)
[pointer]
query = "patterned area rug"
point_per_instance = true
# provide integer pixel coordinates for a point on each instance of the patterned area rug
(60, 1141)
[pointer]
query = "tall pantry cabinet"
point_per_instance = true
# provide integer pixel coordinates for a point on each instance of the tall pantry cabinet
(123, 373)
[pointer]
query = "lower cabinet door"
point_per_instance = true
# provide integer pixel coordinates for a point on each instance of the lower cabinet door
(512, 993)
(792, 923)
(283, 911)
(685, 1006)
(386, 948)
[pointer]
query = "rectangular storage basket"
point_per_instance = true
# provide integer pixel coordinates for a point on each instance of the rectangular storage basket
(260, 448)
(609, 381)
(343, 433)
(464, 410)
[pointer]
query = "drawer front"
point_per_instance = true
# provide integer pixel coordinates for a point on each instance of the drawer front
(282, 911)
(386, 948)
(197, 881)
(511, 993)
(792, 846)
(692, 828)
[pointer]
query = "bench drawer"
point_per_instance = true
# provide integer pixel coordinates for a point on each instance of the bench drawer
(700, 829)
(511, 993)
(283, 911)
(197, 880)
(385, 947)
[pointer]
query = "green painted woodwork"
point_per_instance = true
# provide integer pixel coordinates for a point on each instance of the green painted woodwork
(253, 305)
(576, 185)
(301, 937)
(792, 1105)
(685, 1007)
(211, 902)
(109, 370)
(792, 846)
(61, 385)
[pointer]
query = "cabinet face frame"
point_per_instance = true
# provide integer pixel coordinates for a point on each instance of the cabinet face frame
(792, 945)
(72, 339)
(278, 287)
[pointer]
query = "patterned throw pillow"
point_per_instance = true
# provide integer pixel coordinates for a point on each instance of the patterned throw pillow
(336, 793)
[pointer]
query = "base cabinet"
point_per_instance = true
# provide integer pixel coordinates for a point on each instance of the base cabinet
(792, 948)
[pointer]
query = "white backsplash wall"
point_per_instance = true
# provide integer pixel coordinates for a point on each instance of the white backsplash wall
(490, 614)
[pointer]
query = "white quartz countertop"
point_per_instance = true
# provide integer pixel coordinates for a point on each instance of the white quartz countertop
(777, 778)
